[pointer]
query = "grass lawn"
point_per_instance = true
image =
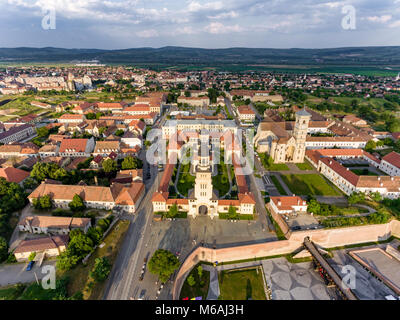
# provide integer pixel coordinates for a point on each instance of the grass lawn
(200, 288)
(363, 172)
(278, 186)
(224, 215)
(79, 276)
(221, 181)
(309, 184)
(11, 292)
(241, 285)
(278, 167)
(274, 166)
(304, 166)
(185, 180)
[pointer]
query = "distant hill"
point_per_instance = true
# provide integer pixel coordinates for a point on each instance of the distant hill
(179, 56)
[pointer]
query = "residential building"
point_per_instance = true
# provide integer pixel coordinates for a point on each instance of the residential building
(18, 133)
(76, 147)
(117, 197)
(49, 247)
(53, 225)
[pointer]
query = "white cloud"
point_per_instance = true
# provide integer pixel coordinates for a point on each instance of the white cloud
(186, 30)
(195, 6)
(395, 24)
(219, 28)
(380, 19)
(150, 33)
(224, 15)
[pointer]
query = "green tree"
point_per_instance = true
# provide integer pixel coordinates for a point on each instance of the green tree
(314, 206)
(191, 281)
(3, 249)
(95, 233)
(80, 245)
(66, 260)
(232, 213)
(30, 183)
(131, 163)
(163, 263)
(42, 132)
(101, 269)
(119, 132)
(200, 271)
(109, 165)
(370, 146)
(376, 196)
(356, 197)
(45, 202)
(77, 203)
(32, 256)
(173, 211)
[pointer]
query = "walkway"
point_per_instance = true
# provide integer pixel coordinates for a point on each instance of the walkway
(283, 184)
(228, 170)
(213, 290)
(176, 181)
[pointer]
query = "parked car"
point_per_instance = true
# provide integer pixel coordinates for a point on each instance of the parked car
(159, 290)
(30, 265)
(141, 296)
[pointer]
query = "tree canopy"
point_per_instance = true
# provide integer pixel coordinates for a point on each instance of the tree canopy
(131, 163)
(77, 203)
(109, 165)
(163, 263)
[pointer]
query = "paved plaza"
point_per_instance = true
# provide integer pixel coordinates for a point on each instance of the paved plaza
(298, 281)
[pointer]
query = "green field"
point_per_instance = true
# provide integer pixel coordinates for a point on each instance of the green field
(11, 292)
(304, 166)
(278, 186)
(186, 180)
(309, 184)
(241, 285)
(363, 172)
(221, 180)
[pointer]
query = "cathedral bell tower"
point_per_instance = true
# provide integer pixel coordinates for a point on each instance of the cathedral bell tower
(300, 134)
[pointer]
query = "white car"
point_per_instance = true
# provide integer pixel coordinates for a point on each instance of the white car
(159, 290)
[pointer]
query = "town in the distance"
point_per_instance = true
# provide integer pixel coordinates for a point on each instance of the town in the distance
(124, 183)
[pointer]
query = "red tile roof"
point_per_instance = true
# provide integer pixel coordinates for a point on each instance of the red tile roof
(13, 175)
(77, 145)
(393, 158)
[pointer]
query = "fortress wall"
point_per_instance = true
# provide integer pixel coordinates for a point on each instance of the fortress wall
(327, 238)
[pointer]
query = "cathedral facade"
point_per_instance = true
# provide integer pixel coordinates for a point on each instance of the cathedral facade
(283, 141)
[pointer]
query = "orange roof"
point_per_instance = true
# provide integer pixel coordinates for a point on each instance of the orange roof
(286, 203)
(245, 110)
(393, 158)
(13, 174)
(160, 196)
(77, 145)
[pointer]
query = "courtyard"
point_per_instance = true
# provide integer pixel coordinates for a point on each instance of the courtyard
(309, 184)
(245, 284)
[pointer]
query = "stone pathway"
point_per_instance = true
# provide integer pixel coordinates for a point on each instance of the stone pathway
(213, 290)
(283, 184)
(176, 181)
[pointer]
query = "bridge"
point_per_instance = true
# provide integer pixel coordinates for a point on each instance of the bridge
(329, 275)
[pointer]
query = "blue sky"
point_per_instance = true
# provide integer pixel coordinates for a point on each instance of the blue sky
(118, 24)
